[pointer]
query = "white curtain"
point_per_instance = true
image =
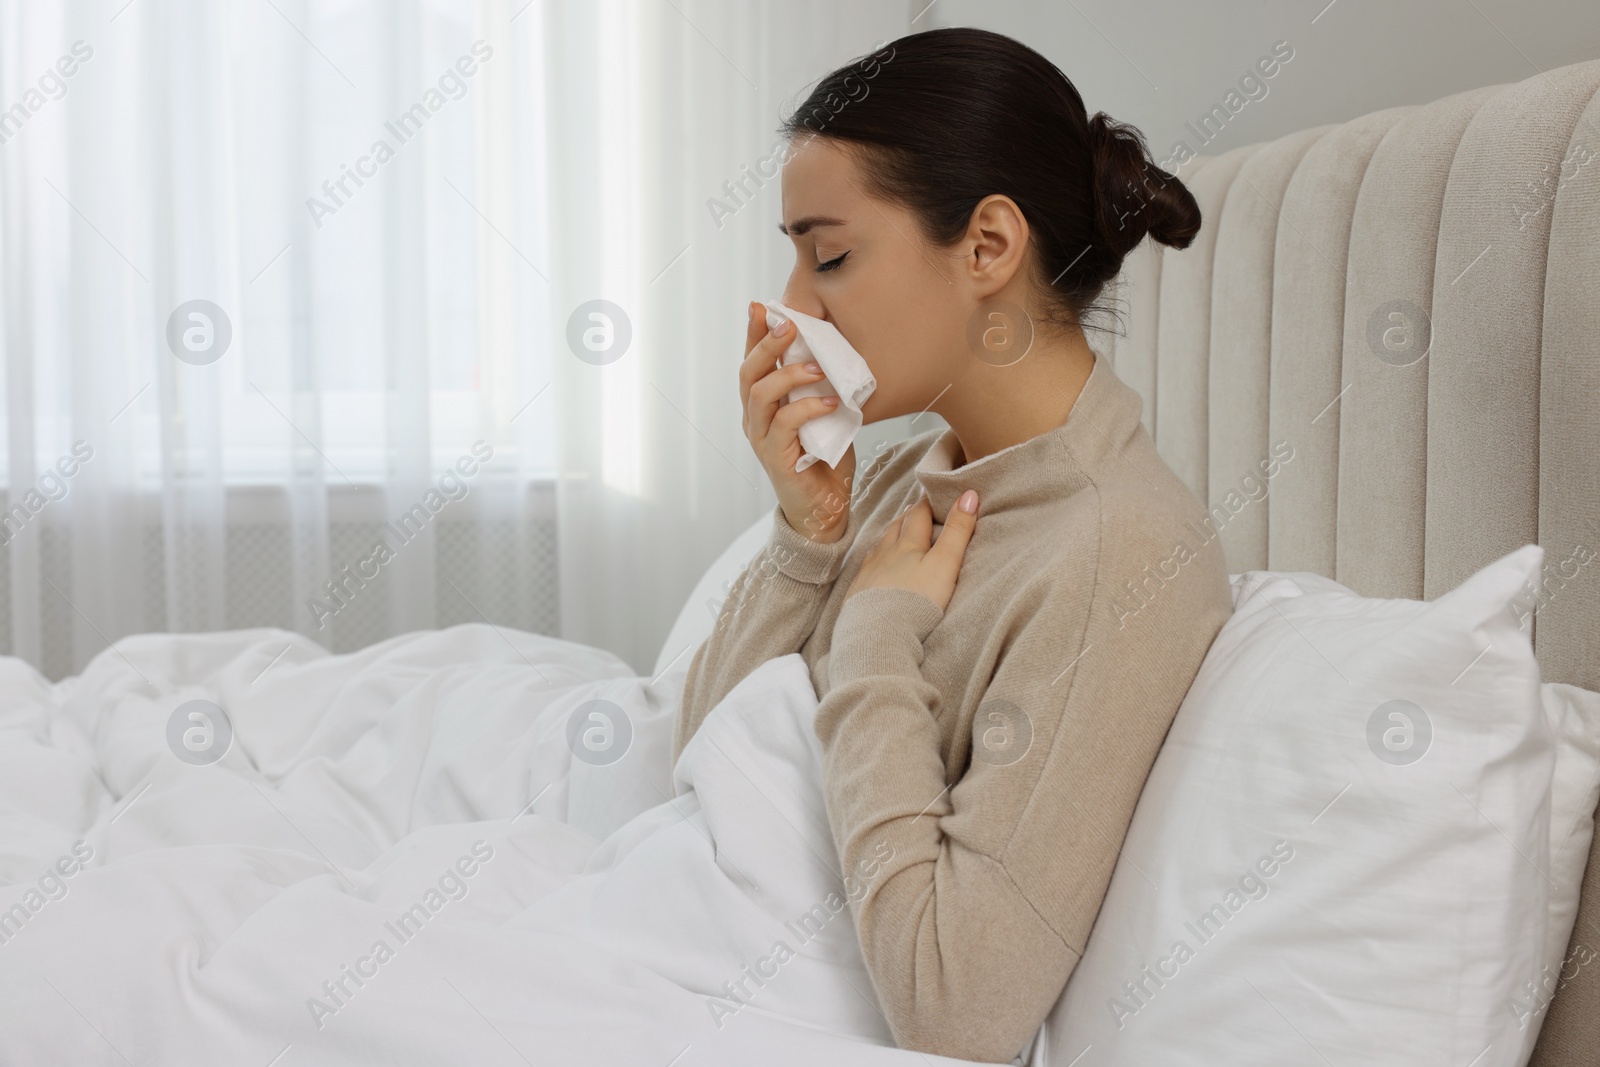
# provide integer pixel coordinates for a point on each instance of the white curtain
(298, 306)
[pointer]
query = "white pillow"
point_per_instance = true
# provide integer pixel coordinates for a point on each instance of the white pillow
(699, 613)
(1574, 715)
(1316, 872)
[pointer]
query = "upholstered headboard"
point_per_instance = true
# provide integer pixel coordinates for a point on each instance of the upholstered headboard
(1407, 306)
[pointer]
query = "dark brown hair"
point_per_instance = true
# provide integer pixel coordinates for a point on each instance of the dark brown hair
(941, 119)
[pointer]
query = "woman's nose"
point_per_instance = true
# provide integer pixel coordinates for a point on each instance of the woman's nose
(797, 298)
(800, 296)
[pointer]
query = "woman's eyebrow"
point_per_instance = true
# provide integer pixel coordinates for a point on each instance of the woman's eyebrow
(800, 226)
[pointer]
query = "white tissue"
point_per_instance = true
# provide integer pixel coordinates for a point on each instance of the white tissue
(846, 375)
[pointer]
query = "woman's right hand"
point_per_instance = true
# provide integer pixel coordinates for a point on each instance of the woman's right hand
(816, 501)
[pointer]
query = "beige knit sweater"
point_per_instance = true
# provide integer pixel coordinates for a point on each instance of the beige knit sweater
(993, 751)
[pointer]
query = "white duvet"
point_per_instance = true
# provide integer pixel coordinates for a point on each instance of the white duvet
(400, 860)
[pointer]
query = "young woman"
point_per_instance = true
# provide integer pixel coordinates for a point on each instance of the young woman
(993, 693)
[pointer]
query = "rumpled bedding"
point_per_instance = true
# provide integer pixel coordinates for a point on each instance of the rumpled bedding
(456, 846)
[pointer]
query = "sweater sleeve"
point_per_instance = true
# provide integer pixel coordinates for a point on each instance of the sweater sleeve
(772, 608)
(972, 924)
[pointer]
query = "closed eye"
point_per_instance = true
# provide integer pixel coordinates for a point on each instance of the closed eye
(832, 264)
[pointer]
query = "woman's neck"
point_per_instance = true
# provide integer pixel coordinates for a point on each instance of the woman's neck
(990, 408)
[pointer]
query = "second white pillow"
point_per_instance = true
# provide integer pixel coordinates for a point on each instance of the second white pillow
(1342, 852)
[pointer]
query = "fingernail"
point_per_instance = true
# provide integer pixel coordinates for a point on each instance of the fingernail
(968, 501)
(782, 327)
(751, 310)
(814, 368)
(830, 401)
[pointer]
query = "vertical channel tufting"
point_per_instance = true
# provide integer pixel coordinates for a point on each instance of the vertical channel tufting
(1465, 347)
(1137, 294)
(1308, 295)
(1183, 336)
(1567, 611)
(1185, 326)
(1383, 417)
(1483, 374)
(1567, 621)
(1241, 345)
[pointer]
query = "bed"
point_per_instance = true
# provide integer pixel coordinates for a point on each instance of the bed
(210, 836)
(1412, 298)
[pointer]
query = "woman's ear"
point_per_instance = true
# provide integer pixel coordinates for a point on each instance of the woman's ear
(997, 235)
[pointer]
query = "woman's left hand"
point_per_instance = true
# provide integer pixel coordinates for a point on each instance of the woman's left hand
(907, 557)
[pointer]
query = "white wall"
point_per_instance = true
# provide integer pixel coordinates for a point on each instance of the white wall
(1161, 63)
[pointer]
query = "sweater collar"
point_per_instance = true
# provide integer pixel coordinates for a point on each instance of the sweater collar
(1102, 422)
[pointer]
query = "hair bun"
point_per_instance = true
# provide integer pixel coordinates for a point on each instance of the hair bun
(1133, 196)
(1085, 185)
